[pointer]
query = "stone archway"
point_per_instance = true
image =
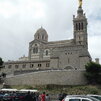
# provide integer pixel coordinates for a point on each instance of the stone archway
(68, 67)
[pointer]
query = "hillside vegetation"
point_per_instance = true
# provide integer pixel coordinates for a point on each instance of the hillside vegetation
(56, 89)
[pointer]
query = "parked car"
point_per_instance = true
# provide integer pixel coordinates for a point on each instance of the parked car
(1, 97)
(20, 96)
(79, 98)
(8, 97)
(95, 96)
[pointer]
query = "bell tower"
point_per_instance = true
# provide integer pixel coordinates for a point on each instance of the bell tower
(80, 27)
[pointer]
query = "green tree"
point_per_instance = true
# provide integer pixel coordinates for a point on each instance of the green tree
(93, 73)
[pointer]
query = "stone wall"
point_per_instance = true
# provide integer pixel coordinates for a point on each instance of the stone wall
(58, 77)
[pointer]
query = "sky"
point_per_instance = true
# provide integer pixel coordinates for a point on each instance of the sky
(20, 19)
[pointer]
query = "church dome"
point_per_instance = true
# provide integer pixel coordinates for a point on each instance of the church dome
(41, 34)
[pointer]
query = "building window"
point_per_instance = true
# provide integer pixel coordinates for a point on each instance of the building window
(68, 60)
(35, 44)
(79, 38)
(80, 42)
(24, 66)
(35, 50)
(79, 27)
(82, 25)
(42, 37)
(32, 65)
(16, 66)
(38, 36)
(76, 26)
(47, 64)
(39, 65)
(9, 66)
(46, 52)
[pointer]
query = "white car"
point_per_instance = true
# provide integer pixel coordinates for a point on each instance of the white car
(79, 98)
(95, 96)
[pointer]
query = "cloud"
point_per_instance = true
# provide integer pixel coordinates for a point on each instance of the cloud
(19, 20)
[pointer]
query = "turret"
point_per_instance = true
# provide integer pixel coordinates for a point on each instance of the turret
(41, 35)
(80, 27)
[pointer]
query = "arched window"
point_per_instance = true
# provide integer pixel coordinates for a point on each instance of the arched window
(76, 26)
(79, 27)
(35, 50)
(80, 42)
(35, 44)
(39, 65)
(79, 37)
(24, 66)
(16, 66)
(42, 37)
(68, 67)
(82, 25)
(38, 36)
(31, 65)
(68, 60)
(47, 64)
(46, 52)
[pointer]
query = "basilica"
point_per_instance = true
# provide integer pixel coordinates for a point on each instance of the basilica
(55, 55)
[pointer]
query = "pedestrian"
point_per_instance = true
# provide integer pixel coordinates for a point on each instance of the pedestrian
(60, 97)
(64, 95)
(28, 97)
(33, 96)
(43, 97)
(47, 97)
(37, 96)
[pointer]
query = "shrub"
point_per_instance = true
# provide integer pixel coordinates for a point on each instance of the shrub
(93, 73)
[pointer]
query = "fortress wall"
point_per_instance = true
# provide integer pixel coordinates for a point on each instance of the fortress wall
(61, 77)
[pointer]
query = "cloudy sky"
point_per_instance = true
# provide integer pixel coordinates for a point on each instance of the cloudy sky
(19, 20)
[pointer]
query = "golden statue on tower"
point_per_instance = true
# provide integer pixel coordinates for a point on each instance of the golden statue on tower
(80, 3)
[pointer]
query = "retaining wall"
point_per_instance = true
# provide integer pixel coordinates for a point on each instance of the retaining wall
(58, 77)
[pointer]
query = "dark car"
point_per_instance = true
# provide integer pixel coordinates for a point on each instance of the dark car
(20, 96)
(1, 97)
(9, 97)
